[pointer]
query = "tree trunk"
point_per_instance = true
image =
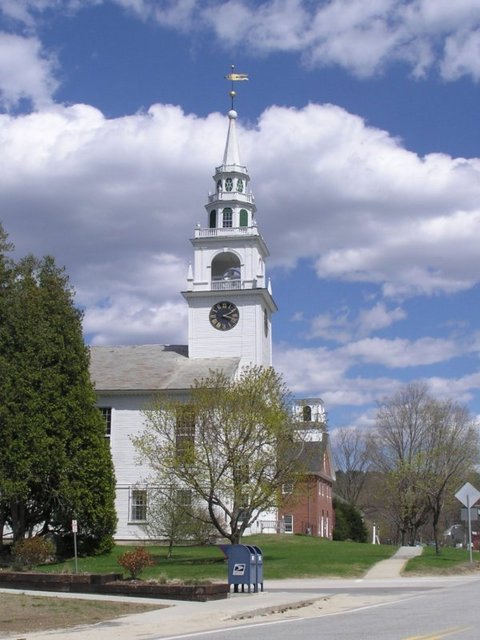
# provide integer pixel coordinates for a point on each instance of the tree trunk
(17, 510)
(435, 519)
(2, 524)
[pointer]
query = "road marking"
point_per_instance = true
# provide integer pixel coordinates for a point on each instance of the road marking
(438, 635)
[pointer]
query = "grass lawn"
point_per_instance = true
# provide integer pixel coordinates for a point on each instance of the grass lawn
(283, 556)
(448, 561)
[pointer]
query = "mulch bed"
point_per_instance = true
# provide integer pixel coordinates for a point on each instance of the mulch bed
(111, 584)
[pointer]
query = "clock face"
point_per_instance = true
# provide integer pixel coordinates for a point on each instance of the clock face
(224, 315)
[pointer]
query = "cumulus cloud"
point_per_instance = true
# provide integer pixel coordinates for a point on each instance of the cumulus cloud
(26, 72)
(342, 326)
(116, 200)
(328, 372)
(108, 196)
(363, 38)
(399, 353)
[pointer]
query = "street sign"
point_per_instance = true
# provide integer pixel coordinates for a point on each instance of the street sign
(468, 495)
(74, 526)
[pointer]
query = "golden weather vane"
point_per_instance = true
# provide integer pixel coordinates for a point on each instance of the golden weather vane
(235, 77)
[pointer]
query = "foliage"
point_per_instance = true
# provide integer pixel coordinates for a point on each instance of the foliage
(136, 561)
(349, 524)
(171, 516)
(32, 551)
(424, 448)
(224, 446)
(55, 464)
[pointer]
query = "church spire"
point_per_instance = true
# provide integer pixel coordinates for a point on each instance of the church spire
(231, 155)
(230, 300)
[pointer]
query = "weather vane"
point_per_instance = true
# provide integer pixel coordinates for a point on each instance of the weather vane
(235, 77)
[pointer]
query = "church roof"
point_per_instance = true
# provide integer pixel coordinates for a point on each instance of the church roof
(151, 367)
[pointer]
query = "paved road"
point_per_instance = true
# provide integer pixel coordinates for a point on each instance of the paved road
(381, 605)
(448, 611)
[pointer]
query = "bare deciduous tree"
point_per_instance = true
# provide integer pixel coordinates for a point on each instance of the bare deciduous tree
(423, 447)
(351, 462)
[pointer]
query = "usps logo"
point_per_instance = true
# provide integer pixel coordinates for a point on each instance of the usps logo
(238, 569)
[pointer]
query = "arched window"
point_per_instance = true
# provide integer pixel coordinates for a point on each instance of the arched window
(243, 218)
(239, 185)
(228, 184)
(307, 413)
(227, 217)
(226, 266)
(213, 219)
(219, 185)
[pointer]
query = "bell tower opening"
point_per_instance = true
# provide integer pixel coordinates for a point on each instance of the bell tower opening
(226, 267)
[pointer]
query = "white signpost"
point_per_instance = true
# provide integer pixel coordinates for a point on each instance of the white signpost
(75, 531)
(468, 496)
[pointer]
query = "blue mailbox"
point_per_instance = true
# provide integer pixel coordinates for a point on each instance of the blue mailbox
(245, 566)
(258, 566)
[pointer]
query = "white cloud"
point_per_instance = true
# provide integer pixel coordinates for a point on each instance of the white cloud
(369, 211)
(108, 197)
(361, 37)
(378, 317)
(26, 72)
(127, 319)
(398, 353)
(343, 325)
(364, 38)
(325, 372)
(462, 56)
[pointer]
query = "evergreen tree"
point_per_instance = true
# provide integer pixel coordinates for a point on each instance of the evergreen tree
(349, 524)
(55, 464)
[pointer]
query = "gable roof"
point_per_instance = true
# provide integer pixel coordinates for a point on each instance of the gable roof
(314, 457)
(151, 368)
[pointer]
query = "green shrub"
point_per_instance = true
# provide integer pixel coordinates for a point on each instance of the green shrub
(135, 561)
(32, 551)
(349, 524)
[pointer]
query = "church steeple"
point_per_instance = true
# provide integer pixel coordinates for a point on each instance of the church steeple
(230, 301)
(231, 155)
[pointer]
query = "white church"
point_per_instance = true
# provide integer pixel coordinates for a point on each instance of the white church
(230, 309)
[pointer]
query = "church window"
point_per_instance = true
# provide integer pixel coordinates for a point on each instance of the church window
(227, 217)
(185, 430)
(240, 185)
(138, 505)
(228, 184)
(243, 218)
(184, 497)
(219, 185)
(213, 219)
(107, 420)
(307, 413)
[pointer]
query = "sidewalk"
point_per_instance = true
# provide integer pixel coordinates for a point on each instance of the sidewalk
(392, 568)
(295, 598)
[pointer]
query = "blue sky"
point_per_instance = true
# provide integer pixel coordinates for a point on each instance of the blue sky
(360, 129)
